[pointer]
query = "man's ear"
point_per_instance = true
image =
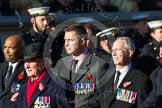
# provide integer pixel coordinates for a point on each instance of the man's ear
(152, 34)
(103, 43)
(32, 20)
(84, 41)
(130, 53)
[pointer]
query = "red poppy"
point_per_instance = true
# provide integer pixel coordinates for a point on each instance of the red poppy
(89, 77)
(41, 87)
(20, 75)
(126, 84)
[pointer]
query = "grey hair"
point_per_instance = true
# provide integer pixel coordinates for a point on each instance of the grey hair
(129, 43)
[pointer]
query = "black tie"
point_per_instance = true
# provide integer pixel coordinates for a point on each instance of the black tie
(8, 75)
(73, 67)
(116, 80)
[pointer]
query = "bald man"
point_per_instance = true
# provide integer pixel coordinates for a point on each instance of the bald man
(12, 72)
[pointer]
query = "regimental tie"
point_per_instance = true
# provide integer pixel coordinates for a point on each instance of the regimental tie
(116, 80)
(8, 75)
(73, 67)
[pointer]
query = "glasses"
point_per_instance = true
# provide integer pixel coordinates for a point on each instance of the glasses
(118, 50)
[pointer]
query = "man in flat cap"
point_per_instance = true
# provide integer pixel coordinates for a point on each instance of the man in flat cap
(148, 60)
(41, 89)
(39, 33)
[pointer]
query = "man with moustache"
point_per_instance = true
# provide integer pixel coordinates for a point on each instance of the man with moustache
(40, 33)
(12, 72)
(39, 23)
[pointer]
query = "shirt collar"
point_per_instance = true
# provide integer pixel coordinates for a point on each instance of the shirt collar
(81, 56)
(125, 69)
(13, 65)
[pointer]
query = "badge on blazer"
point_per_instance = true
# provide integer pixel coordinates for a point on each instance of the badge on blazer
(133, 96)
(84, 88)
(123, 95)
(126, 95)
(89, 77)
(21, 75)
(42, 102)
(41, 86)
(126, 84)
(15, 87)
(81, 89)
(118, 94)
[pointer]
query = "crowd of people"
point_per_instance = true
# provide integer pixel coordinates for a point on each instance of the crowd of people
(8, 7)
(82, 67)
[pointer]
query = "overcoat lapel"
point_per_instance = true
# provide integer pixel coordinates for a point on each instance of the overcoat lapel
(110, 74)
(38, 92)
(2, 77)
(13, 78)
(110, 86)
(82, 70)
(68, 64)
(24, 104)
(128, 77)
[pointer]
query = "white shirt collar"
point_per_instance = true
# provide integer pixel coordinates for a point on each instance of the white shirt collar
(13, 65)
(123, 73)
(125, 69)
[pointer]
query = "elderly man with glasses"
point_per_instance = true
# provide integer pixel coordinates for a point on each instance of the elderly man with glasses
(125, 86)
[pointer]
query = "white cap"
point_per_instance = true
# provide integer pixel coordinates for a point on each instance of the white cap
(155, 24)
(106, 32)
(39, 11)
(140, 16)
(82, 20)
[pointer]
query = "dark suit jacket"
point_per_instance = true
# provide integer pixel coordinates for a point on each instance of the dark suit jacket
(103, 55)
(154, 99)
(5, 93)
(148, 60)
(139, 83)
(52, 43)
(59, 96)
(90, 65)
